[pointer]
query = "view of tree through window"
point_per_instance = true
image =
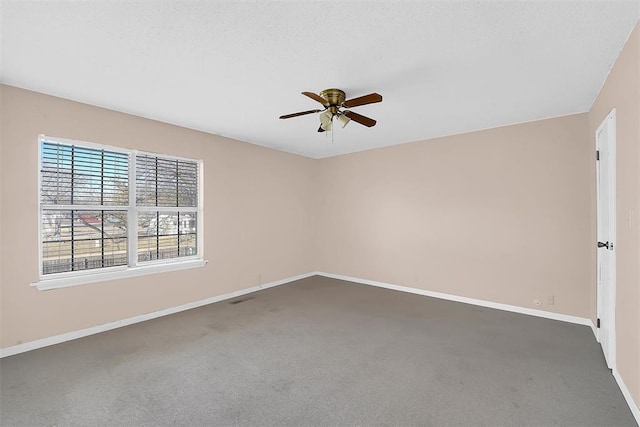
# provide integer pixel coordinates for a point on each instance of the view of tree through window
(85, 215)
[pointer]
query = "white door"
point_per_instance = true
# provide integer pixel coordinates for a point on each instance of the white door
(606, 233)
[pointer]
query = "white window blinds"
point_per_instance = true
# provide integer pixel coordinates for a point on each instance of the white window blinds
(73, 175)
(166, 182)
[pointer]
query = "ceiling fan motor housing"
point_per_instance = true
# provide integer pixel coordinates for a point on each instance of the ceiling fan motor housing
(335, 98)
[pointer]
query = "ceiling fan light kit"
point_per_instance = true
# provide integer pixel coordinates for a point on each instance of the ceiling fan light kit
(343, 120)
(326, 120)
(334, 102)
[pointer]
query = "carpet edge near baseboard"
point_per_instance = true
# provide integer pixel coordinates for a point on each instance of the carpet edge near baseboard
(635, 409)
(456, 298)
(81, 333)
(68, 336)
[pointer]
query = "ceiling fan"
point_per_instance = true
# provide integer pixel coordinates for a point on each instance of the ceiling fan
(334, 103)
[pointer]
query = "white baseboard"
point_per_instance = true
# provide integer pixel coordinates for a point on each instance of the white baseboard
(635, 410)
(57, 339)
(456, 298)
(594, 330)
(32, 345)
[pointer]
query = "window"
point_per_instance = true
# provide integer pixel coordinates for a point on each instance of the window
(108, 209)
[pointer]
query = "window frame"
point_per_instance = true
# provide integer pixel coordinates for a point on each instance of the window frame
(134, 267)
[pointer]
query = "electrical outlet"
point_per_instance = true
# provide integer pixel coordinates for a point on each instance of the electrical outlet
(550, 300)
(537, 302)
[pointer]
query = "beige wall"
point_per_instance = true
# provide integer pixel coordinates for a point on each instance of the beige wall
(499, 215)
(622, 92)
(258, 217)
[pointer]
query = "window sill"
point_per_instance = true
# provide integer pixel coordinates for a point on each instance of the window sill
(65, 282)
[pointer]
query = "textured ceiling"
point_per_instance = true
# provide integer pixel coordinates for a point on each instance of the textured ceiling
(231, 68)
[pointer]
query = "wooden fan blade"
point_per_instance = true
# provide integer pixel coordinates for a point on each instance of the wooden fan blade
(301, 113)
(363, 100)
(318, 98)
(363, 120)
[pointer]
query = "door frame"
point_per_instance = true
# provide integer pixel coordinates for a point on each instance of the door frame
(610, 322)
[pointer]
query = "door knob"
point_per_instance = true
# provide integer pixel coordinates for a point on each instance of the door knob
(605, 245)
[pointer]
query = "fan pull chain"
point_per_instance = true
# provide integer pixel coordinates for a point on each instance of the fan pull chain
(332, 130)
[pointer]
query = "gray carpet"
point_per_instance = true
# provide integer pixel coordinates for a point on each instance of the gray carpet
(320, 352)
